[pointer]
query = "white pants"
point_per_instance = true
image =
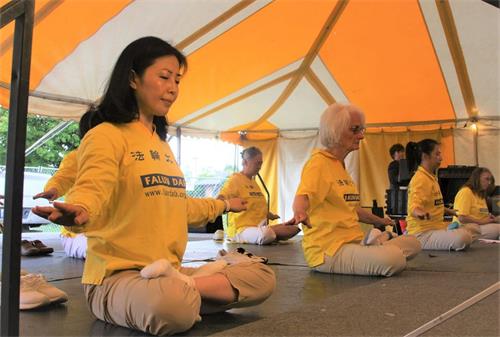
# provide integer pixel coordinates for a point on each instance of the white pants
(444, 239)
(489, 231)
(75, 246)
(259, 235)
(386, 259)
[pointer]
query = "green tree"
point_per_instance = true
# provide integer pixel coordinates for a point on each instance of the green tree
(49, 154)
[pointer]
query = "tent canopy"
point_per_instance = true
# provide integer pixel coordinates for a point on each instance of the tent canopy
(259, 69)
(274, 66)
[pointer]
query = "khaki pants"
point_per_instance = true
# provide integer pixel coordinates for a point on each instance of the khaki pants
(443, 239)
(489, 231)
(385, 260)
(167, 305)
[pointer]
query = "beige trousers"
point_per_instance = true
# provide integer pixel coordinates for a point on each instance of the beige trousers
(167, 305)
(444, 239)
(385, 260)
(489, 231)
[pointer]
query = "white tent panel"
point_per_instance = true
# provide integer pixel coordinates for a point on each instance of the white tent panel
(438, 37)
(301, 110)
(242, 112)
(57, 109)
(292, 155)
(85, 71)
(463, 142)
(478, 28)
(319, 69)
(488, 151)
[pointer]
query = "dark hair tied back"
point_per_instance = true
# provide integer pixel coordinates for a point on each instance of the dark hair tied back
(118, 104)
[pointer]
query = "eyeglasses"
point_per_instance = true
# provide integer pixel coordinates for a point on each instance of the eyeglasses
(357, 129)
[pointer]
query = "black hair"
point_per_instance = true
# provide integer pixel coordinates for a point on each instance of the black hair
(89, 119)
(250, 152)
(396, 148)
(118, 104)
(414, 152)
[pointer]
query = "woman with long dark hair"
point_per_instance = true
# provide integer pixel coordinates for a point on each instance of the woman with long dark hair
(471, 206)
(425, 201)
(130, 200)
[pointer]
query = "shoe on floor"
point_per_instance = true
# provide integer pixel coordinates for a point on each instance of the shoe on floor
(42, 247)
(238, 256)
(40, 284)
(27, 249)
(30, 298)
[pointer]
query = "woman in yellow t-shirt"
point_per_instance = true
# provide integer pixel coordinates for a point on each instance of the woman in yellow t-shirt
(425, 201)
(251, 226)
(129, 198)
(471, 206)
(327, 202)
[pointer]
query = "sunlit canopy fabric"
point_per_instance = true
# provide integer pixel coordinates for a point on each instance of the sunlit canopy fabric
(261, 70)
(270, 65)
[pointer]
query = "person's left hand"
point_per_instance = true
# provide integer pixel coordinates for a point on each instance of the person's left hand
(63, 214)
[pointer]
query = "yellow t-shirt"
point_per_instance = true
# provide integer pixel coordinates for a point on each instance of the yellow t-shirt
(240, 186)
(468, 203)
(333, 200)
(424, 192)
(134, 192)
(63, 179)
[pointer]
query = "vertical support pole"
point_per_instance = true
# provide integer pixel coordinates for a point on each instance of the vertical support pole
(178, 133)
(14, 176)
(476, 139)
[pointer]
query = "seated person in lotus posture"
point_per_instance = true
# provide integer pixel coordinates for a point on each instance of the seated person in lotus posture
(251, 226)
(425, 201)
(397, 152)
(472, 210)
(129, 199)
(327, 202)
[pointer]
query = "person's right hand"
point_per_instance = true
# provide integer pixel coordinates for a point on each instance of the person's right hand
(63, 214)
(237, 205)
(50, 194)
(303, 218)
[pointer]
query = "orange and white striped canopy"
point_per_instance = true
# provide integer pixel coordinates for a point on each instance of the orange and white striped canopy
(275, 65)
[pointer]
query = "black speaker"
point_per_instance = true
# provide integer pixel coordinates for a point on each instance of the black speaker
(451, 179)
(396, 202)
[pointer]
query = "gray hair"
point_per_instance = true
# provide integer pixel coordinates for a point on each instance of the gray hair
(334, 121)
(250, 153)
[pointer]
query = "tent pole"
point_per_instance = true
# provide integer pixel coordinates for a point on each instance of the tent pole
(178, 133)
(476, 136)
(23, 14)
(48, 136)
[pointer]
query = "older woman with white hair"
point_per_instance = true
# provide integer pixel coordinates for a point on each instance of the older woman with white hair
(327, 202)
